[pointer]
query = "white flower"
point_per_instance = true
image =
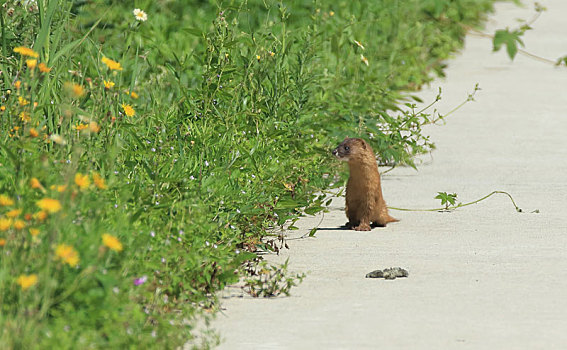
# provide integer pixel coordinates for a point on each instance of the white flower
(140, 15)
(364, 59)
(58, 139)
(359, 44)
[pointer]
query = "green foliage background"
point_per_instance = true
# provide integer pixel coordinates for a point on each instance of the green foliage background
(240, 103)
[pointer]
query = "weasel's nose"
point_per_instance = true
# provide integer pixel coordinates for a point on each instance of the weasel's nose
(335, 152)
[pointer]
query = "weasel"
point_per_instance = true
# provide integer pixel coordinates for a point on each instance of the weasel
(365, 205)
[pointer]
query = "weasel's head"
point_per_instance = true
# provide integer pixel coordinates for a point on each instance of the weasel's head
(351, 148)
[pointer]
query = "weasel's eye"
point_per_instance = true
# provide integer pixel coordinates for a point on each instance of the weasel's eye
(347, 148)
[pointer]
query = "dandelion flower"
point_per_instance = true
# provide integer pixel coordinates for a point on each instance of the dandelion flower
(140, 15)
(332, 13)
(258, 57)
(112, 65)
(34, 232)
(80, 127)
(22, 101)
(5, 224)
(31, 63)
(40, 215)
(18, 84)
(131, 94)
(24, 51)
(27, 281)
(128, 110)
(13, 213)
(99, 181)
(34, 183)
(2, 242)
(93, 127)
(111, 242)
(2, 108)
(58, 188)
(82, 181)
(25, 116)
(44, 68)
(108, 84)
(33, 133)
(19, 224)
(364, 59)
(50, 205)
(73, 89)
(5, 200)
(67, 254)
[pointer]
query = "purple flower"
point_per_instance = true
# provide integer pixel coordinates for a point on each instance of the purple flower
(141, 280)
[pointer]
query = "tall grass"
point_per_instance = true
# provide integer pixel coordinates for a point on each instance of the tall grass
(142, 162)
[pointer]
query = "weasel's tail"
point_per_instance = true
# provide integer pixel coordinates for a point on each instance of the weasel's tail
(391, 219)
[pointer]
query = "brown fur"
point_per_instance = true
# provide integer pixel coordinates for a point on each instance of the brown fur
(365, 205)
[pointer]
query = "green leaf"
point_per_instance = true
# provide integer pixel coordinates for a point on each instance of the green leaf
(313, 231)
(510, 39)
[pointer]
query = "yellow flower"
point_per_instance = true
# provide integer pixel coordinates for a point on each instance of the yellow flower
(25, 116)
(2, 242)
(40, 215)
(33, 132)
(111, 242)
(272, 54)
(27, 281)
(67, 254)
(50, 205)
(131, 94)
(364, 59)
(5, 200)
(80, 127)
(31, 63)
(22, 101)
(112, 65)
(18, 84)
(332, 13)
(13, 213)
(2, 108)
(99, 181)
(24, 51)
(59, 188)
(128, 110)
(34, 232)
(5, 224)
(44, 68)
(108, 84)
(19, 224)
(73, 89)
(34, 183)
(82, 181)
(258, 57)
(93, 127)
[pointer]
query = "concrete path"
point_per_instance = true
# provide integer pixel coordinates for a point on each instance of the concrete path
(483, 277)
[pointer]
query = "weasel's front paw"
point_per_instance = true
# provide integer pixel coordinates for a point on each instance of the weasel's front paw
(362, 227)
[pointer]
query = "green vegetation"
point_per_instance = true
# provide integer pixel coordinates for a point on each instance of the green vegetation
(143, 162)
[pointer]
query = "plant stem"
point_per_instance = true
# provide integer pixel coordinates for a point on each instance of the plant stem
(519, 210)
